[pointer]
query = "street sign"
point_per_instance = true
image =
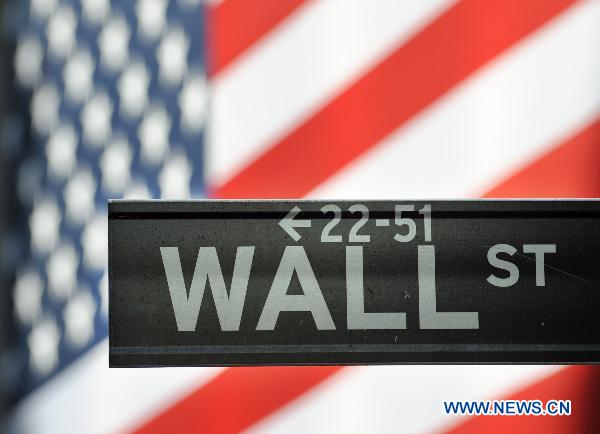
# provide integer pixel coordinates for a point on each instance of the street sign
(343, 282)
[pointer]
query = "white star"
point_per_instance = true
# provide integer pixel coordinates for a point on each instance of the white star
(44, 108)
(113, 42)
(79, 318)
(171, 56)
(115, 165)
(43, 346)
(61, 270)
(95, 11)
(79, 196)
(154, 135)
(133, 89)
(96, 119)
(151, 16)
(103, 288)
(60, 151)
(43, 8)
(138, 190)
(192, 103)
(78, 76)
(28, 61)
(174, 177)
(43, 224)
(94, 240)
(28, 296)
(61, 32)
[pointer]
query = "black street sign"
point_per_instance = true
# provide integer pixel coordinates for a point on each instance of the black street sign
(342, 282)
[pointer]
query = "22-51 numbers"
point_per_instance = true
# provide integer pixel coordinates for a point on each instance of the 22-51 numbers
(407, 227)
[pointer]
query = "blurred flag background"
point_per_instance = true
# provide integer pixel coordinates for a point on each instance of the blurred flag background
(272, 99)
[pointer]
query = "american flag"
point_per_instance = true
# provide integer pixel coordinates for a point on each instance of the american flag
(334, 99)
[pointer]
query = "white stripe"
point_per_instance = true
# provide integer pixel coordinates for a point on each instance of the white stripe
(534, 96)
(396, 399)
(314, 55)
(88, 397)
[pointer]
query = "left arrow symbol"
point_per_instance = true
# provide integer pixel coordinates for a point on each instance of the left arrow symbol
(288, 224)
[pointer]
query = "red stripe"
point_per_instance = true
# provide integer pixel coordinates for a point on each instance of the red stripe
(570, 170)
(580, 384)
(455, 45)
(236, 399)
(235, 25)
